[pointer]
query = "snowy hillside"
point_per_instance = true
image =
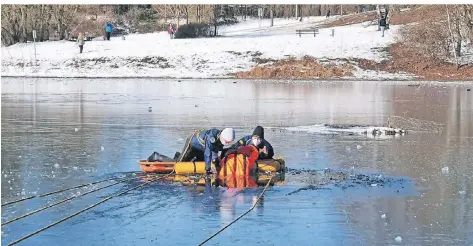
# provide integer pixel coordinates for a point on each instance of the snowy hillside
(156, 55)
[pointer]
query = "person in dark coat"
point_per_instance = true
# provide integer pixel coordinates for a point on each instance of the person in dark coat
(257, 139)
(204, 145)
(382, 25)
(328, 14)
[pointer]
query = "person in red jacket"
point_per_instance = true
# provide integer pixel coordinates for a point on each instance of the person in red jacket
(170, 31)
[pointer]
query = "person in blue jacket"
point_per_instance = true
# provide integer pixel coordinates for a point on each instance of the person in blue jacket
(108, 30)
(204, 145)
(257, 139)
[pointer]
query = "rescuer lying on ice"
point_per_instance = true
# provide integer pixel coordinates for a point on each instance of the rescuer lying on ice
(257, 139)
(238, 168)
(204, 145)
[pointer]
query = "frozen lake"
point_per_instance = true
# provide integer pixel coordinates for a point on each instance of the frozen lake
(58, 133)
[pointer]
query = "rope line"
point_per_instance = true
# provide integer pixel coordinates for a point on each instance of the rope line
(58, 191)
(85, 209)
(61, 201)
(241, 216)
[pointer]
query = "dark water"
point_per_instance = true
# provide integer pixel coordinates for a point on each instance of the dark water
(58, 133)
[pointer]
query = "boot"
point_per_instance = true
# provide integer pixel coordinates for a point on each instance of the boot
(176, 156)
(153, 157)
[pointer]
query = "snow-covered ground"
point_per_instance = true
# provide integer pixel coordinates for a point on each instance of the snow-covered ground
(156, 55)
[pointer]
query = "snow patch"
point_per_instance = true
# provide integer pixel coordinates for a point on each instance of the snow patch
(156, 55)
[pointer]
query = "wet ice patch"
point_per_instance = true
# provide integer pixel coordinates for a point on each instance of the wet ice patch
(327, 179)
(57, 165)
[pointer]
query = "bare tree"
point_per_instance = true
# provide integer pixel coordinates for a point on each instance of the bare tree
(451, 33)
(186, 13)
(216, 16)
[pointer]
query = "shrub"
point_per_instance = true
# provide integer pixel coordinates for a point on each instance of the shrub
(193, 31)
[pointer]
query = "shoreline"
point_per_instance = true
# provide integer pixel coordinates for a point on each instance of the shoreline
(394, 81)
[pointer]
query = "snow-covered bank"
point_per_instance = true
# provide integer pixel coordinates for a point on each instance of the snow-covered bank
(156, 55)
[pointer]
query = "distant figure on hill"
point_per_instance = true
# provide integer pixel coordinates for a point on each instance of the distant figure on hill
(108, 30)
(171, 31)
(328, 14)
(382, 25)
(81, 41)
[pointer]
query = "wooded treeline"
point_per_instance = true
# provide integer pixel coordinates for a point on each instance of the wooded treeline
(62, 21)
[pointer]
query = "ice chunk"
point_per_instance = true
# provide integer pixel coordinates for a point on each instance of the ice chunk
(398, 239)
(56, 165)
(383, 216)
(462, 192)
(102, 148)
(76, 129)
(358, 146)
(374, 185)
(445, 170)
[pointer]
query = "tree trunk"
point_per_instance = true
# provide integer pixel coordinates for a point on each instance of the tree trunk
(245, 11)
(458, 48)
(41, 21)
(198, 14)
(451, 35)
(187, 15)
(271, 16)
(297, 11)
(23, 24)
(178, 14)
(215, 19)
(165, 14)
(300, 12)
(459, 37)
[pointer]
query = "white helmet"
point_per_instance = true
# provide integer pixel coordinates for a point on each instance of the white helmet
(227, 136)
